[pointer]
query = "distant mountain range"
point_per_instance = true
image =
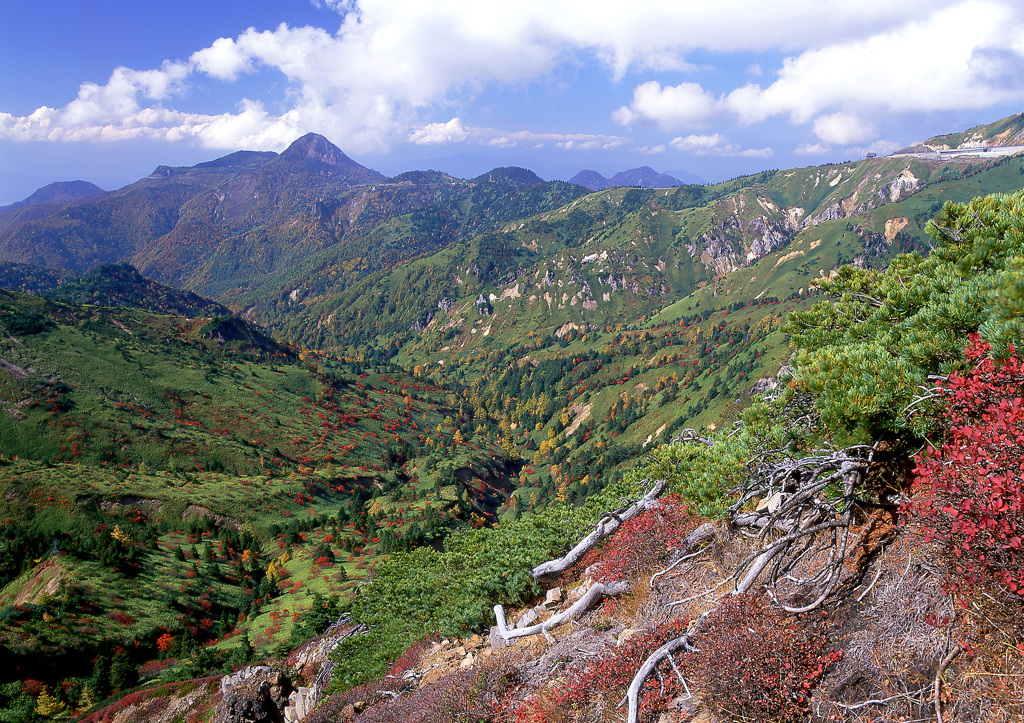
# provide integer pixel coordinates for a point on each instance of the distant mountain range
(331, 254)
(644, 177)
(47, 200)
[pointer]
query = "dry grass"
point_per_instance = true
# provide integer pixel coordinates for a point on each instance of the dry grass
(892, 618)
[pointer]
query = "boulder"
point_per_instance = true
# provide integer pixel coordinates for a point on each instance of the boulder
(258, 694)
(497, 642)
(553, 597)
(528, 618)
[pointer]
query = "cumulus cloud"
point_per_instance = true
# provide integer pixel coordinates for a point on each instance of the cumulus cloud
(955, 58)
(842, 129)
(224, 59)
(682, 106)
(450, 132)
(392, 65)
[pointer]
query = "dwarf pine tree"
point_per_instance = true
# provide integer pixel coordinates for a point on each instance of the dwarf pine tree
(867, 354)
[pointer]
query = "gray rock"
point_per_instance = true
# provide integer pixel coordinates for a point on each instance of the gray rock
(497, 642)
(529, 618)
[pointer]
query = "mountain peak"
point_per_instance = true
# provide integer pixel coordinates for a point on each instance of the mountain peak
(315, 147)
(510, 176)
(644, 176)
(62, 192)
(314, 153)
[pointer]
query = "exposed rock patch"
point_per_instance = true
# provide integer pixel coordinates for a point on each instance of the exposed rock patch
(253, 695)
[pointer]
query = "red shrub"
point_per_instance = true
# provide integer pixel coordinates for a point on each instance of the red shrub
(971, 497)
(643, 541)
(165, 643)
(152, 667)
(121, 618)
(755, 663)
(600, 685)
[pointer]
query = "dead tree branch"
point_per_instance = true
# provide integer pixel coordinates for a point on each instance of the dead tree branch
(938, 681)
(633, 692)
(690, 435)
(799, 499)
(597, 592)
(606, 526)
(698, 537)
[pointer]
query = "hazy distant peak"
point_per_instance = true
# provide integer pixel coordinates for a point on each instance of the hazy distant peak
(644, 176)
(61, 192)
(510, 176)
(590, 179)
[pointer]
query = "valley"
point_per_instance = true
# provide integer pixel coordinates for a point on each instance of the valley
(247, 399)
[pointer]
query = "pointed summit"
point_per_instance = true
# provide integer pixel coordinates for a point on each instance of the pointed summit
(315, 147)
(314, 154)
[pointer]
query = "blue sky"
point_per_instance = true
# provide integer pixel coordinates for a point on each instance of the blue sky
(107, 90)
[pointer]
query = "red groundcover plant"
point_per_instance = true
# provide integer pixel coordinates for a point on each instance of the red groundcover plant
(643, 541)
(972, 489)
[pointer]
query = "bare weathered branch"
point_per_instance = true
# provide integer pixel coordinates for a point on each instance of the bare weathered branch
(938, 680)
(596, 593)
(605, 527)
(690, 435)
(633, 692)
(698, 537)
(799, 499)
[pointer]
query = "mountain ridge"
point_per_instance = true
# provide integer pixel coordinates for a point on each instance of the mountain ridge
(643, 176)
(466, 376)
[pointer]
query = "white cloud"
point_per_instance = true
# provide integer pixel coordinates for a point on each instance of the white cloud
(450, 132)
(842, 129)
(958, 57)
(224, 59)
(881, 147)
(119, 98)
(756, 153)
(393, 64)
(715, 144)
(816, 149)
(565, 141)
(682, 106)
(700, 143)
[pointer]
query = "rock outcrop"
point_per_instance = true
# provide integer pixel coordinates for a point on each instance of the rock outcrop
(257, 694)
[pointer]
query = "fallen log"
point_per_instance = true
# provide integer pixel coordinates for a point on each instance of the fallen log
(597, 592)
(606, 526)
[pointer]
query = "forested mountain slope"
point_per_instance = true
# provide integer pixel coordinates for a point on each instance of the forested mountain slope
(435, 385)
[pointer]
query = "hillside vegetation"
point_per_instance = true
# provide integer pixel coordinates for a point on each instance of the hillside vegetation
(786, 405)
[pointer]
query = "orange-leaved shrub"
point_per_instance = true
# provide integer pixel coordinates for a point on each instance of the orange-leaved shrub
(970, 492)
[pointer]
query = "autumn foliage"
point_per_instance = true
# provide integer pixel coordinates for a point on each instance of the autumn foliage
(971, 490)
(595, 688)
(644, 541)
(757, 663)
